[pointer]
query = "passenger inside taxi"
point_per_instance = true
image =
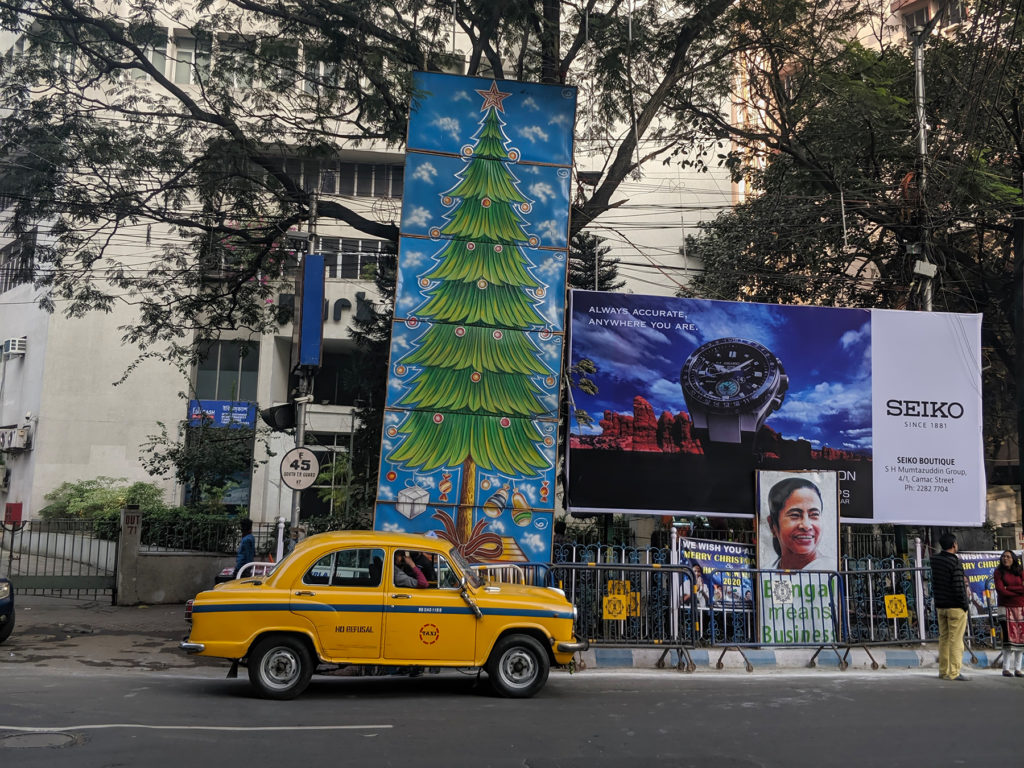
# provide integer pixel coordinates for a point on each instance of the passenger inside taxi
(407, 573)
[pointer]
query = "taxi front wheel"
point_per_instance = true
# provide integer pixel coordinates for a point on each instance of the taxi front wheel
(518, 667)
(280, 667)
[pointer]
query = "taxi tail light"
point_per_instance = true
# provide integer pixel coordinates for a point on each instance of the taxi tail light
(188, 611)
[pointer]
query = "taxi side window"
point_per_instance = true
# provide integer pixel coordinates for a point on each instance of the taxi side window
(347, 568)
(446, 576)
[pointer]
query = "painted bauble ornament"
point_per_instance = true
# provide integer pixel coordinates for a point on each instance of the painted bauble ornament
(495, 505)
(521, 512)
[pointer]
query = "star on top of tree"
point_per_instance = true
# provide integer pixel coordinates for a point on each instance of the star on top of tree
(493, 98)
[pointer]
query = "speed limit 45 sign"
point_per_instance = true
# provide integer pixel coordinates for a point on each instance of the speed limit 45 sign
(299, 468)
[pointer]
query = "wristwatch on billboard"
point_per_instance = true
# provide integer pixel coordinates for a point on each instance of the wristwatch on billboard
(731, 385)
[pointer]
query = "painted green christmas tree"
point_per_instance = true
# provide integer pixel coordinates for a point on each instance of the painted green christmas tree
(475, 390)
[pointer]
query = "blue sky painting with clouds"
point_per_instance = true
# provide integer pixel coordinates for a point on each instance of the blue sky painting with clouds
(446, 115)
(826, 353)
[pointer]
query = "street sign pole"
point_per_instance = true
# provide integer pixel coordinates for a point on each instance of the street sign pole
(300, 441)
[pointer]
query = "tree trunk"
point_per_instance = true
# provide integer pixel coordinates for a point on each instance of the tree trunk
(550, 33)
(467, 500)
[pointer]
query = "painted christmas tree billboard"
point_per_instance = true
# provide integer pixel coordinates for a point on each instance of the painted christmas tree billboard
(471, 422)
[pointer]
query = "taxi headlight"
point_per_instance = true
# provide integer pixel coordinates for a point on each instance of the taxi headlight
(5, 589)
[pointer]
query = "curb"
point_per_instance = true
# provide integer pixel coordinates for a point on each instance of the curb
(708, 659)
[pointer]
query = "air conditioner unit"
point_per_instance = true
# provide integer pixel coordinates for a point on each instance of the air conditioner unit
(15, 347)
(15, 439)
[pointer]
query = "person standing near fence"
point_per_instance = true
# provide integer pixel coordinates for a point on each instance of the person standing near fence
(246, 547)
(1009, 580)
(949, 588)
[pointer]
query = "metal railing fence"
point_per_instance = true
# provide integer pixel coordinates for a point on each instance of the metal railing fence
(651, 605)
(630, 605)
(219, 536)
(59, 557)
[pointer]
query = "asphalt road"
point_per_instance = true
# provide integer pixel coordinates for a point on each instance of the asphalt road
(65, 716)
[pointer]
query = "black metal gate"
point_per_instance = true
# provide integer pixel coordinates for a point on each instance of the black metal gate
(65, 558)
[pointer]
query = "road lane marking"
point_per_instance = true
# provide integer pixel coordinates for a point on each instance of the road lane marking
(142, 726)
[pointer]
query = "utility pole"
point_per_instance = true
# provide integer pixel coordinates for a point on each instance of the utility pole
(923, 266)
(306, 369)
(1018, 318)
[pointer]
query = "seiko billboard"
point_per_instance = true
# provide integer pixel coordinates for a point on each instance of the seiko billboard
(693, 397)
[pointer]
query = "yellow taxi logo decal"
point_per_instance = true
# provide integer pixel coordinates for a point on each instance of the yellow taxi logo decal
(429, 634)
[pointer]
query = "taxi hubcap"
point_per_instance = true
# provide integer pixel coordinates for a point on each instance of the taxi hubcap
(280, 667)
(519, 667)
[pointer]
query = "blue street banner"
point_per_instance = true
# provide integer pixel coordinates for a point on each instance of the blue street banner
(311, 321)
(692, 397)
(221, 413)
(471, 416)
(726, 571)
(978, 570)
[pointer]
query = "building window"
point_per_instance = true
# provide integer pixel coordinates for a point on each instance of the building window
(322, 499)
(155, 51)
(915, 19)
(192, 60)
(956, 12)
(353, 259)
(236, 62)
(17, 262)
(363, 179)
(336, 381)
(228, 370)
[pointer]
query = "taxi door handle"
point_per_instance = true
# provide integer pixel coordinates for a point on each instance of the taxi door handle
(304, 592)
(400, 597)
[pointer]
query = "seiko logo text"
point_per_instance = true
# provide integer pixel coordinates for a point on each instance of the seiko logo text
(928, 409)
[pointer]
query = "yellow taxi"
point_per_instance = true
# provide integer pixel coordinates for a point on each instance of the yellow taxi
(369, 597)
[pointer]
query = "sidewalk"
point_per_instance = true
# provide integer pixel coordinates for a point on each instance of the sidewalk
(65, 633)
(52, 631)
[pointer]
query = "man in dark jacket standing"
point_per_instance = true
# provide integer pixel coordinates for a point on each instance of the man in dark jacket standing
(949, 588)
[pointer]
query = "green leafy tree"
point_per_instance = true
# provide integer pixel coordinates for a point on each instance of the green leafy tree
(481, 375)
(99, 498)
(204, 458)
(334, 485)
(179, 126)
(837, 215)
(587, 254)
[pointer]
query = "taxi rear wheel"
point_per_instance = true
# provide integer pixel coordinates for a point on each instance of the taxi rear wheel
(280, 667)
(518, 667)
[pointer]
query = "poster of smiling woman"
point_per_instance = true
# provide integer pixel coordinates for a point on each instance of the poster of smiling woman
(797, 555)
(797, 521)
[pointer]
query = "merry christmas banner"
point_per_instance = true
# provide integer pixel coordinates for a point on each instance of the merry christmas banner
(470, 426)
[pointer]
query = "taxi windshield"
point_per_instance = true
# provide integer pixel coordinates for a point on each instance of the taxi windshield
(471, 575)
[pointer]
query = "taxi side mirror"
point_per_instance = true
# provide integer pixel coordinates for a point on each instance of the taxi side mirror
(464, 583)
